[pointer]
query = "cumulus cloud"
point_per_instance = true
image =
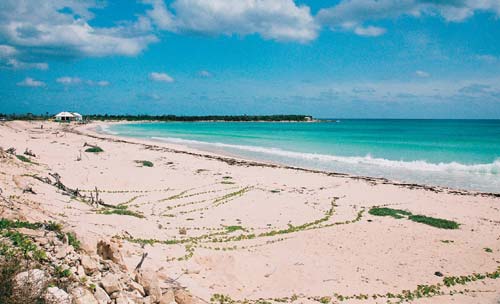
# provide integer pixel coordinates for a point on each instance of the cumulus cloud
(369, 31)
(273, 19)
(352, 15)
(160, 77)
(61, 28)
(67, 80)
(8, 59)
(422, 74)
(30, 82)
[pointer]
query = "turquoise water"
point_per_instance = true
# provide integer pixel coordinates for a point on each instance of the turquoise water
(455, 153)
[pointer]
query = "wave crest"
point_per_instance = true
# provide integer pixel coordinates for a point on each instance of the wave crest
(417, 165)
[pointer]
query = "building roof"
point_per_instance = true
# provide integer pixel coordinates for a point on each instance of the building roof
(77, 114)
(65, 114)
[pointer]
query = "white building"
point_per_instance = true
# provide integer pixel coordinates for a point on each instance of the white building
(67, 116)
(78, 116)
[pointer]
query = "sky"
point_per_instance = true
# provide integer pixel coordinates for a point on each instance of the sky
(326, 58)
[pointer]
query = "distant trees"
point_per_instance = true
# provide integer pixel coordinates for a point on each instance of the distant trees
(30, 116)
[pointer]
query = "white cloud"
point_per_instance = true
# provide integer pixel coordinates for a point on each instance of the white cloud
(8, 59)
(369, 31)
(103, 83)
(273, 19)
(61, 28)
(68, 80)
(160, 77)
(30, 82)
(205, 74)
(351, 14)
(7, 51)
(422, 74)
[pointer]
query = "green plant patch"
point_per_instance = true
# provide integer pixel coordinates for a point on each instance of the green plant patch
(489, 250)
(434, 222)
(123, 212)
(8, 224)
(95, 149)
(234, 228)
(395, 213)
(144, 163)
(23, 158)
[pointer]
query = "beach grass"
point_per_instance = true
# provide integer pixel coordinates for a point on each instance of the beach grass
(427, 220)
(395, 213)
(95, 149)
(23, 158)
(145, 163)
(123, 211)
(434, 222)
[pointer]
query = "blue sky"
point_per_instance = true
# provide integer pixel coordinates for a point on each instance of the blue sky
(348, 58)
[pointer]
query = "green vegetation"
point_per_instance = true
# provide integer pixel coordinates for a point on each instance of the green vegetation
(421, 291)
(200, 118)
(73, 241)
(62, 273)
(434, 222)
(234, 228)
(400, 214)
(489, 250)
(95, 149)
(23, 158)
(395, 213)
(122, 210)
(24, 244)
(144, 163)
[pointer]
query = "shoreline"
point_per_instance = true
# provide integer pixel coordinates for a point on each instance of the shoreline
(234, 159)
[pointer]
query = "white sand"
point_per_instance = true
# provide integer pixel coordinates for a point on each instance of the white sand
(374, 255)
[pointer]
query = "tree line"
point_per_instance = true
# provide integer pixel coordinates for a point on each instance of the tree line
(30, 116)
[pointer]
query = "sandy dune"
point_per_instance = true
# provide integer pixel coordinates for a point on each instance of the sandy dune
(249, 231)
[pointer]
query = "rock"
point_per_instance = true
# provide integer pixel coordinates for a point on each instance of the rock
(110, 251)
(184, 297)
(438, 273)
(80, 271)
(55, 295)
(124, 299)
(89, 265)
(83, 296)
(138, 287)
(101, 296)
(42, 241)
(32, 281)
(62, 251)
(149, 281)
(110, 283)
(31, 232)
(168, 297)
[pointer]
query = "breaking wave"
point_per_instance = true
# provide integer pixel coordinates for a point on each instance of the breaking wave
(367, 161)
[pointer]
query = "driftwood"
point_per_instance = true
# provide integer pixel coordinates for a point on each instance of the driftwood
(29, 153)
(144, 255)
(28, 189)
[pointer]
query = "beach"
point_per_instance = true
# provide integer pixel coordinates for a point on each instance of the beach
(249, 230)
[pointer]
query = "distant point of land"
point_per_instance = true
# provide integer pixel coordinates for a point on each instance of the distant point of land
(103, 117)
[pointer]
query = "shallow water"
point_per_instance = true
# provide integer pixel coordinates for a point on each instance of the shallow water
(455, 153)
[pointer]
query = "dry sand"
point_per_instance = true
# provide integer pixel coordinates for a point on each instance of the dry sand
(327, 243)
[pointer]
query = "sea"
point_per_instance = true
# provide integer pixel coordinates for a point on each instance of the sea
(460, 154)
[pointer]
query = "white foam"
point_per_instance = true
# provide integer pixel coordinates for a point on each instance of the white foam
(105, 129)
(417, 165)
